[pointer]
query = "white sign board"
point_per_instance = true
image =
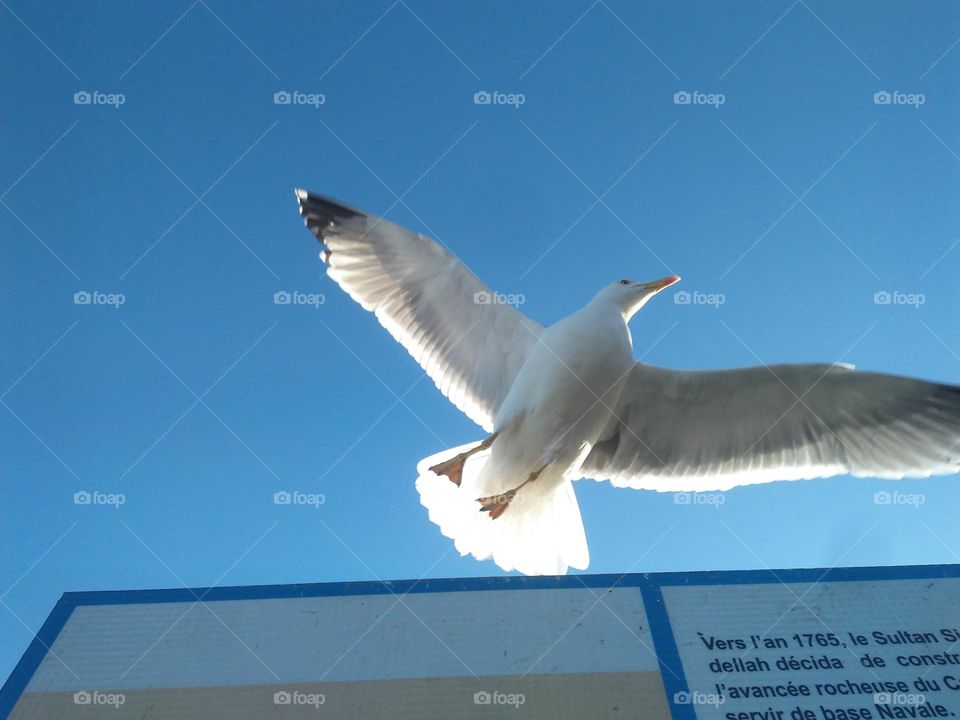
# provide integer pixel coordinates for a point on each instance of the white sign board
(843, 644)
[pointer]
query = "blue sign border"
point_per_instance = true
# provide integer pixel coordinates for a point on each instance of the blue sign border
(649, 585)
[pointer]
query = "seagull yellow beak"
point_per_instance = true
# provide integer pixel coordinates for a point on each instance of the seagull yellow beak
(658, 285)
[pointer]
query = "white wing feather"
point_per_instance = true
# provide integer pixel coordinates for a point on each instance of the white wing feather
(429, 301)
(696, 431)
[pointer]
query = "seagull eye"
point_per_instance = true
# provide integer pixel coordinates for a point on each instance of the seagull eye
(624, 282)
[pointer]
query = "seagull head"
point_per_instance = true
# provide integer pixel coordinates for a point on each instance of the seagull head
(631, 295)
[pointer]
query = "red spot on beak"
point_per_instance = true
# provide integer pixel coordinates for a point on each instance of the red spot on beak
(666, 282)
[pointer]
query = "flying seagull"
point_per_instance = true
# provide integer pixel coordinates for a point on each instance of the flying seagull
(568, 401)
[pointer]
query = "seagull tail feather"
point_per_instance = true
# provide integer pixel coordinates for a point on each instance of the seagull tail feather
(540, 533)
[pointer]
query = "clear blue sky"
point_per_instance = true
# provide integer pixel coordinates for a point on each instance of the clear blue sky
(797, 199)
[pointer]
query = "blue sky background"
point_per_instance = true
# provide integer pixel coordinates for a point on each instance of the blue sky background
(797, 199)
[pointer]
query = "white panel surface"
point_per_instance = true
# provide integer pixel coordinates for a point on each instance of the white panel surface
(363, 637)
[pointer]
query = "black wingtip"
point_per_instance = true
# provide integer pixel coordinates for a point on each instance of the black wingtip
(320, 212)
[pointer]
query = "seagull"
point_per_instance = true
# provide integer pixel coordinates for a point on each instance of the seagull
(569, 401)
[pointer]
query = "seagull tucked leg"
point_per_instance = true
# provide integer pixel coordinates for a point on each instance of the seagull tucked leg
(497, 504)
(453, 468)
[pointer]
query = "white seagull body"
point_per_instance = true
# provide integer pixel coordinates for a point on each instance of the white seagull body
(569, 401)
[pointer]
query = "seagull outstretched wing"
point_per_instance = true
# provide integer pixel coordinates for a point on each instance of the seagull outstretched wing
(450, 322)
(696, 431)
